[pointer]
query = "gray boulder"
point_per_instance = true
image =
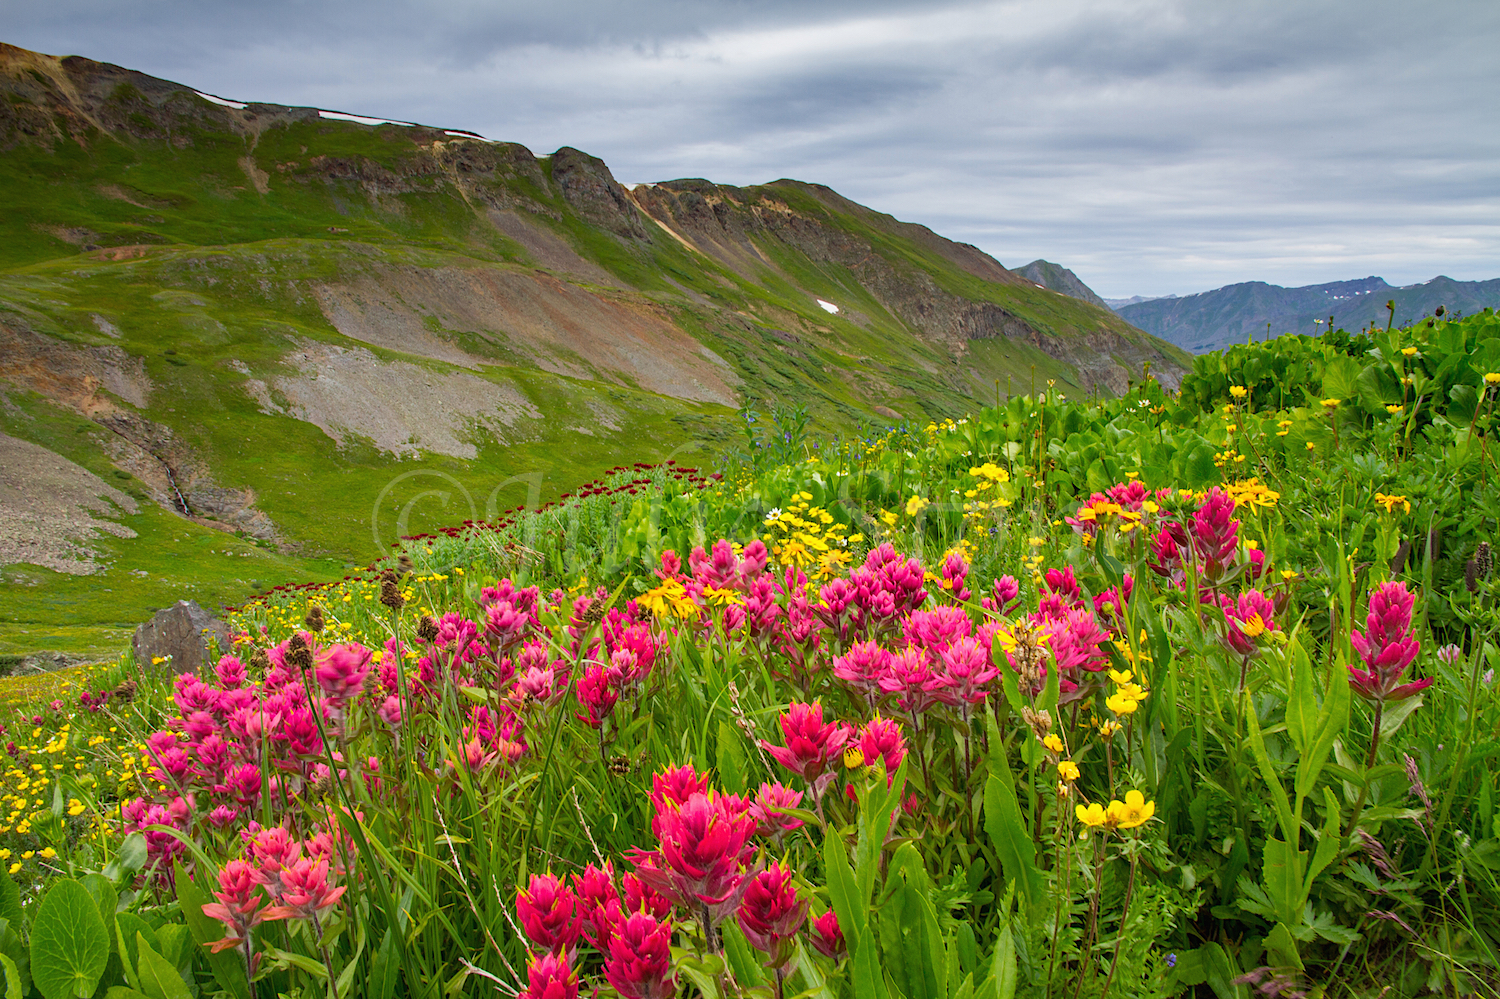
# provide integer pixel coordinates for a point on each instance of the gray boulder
(181, 631)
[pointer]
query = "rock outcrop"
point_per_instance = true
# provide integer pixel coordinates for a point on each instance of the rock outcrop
(180, 634)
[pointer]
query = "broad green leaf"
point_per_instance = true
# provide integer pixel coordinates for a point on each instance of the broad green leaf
(384, 969)
(289, 959)
(842, 889)
(731, 758)
(13, 986)
(1003, 966)
(1302, 699)
(173, 940)
(703, 973)
(1012, 841)
(69, 945)
(1283, 947)
(10, 902)
(1282, 876)
(127, 926)
(1329, 841)
(740, 956)
(121, 992)
(105, 898)
(1331, 722)
(159, 979)
(1274, 790)
(1220, 971)
(1395, 715)
(923, 940)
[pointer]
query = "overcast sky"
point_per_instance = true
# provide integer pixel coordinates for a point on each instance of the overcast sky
(1153, 146)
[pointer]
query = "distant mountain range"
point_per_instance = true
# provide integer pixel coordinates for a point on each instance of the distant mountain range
(1236, 313)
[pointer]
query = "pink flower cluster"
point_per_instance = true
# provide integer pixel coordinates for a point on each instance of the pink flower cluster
(1209, 545)
(705, 867)
(293, 875)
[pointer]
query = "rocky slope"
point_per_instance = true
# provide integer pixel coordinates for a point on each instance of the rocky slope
(1058, 278)
(298, 334)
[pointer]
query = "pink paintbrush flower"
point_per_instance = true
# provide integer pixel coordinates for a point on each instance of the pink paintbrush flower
(639, 960)
(1387, 647)
(549, 977)
(548, 911)
(811, 744)
(770, 915)
(305, 891)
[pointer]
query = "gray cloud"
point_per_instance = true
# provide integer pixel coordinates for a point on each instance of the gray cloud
(1152, 145)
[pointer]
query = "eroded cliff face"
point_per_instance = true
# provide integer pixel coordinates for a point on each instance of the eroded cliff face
(109, 386)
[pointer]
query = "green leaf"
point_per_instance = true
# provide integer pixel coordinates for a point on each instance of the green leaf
(13, 986)
(1003, 966)
(1277, 793)
(127, 926)
(1012, 841)
(703, 973)
(1282, 947)
(105, 899)
(1329, 841)
(384, 969)
(1395, 715)
(1302, 699)
(1331, 722)
(69, 945)
(1220, 971)
(10, 902)
(731, 759)
(288, 959)
(740, 956)
(1282, 875)
(173, 944)
(159, 979)
(923, 949)
(121, 992)
(850, 908)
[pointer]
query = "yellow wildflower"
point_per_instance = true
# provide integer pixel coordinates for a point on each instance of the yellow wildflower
(1331, 403)
(1238, 391)
(915, 504)
(1093, 816)
(1134, 811)
(1067, 770)
(670, 598)
(1391, 502)
(1053, 743)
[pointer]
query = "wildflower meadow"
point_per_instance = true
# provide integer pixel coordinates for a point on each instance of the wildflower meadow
(1176, 693)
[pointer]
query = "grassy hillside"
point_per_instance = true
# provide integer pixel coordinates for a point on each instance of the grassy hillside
(307, 335)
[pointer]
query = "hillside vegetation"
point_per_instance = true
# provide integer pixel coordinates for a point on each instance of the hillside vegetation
(302, 335)
(1169, 694)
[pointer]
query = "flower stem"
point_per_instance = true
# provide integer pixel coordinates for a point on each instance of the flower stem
(1088, 940)
(1120, 936)
(1359, 804)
